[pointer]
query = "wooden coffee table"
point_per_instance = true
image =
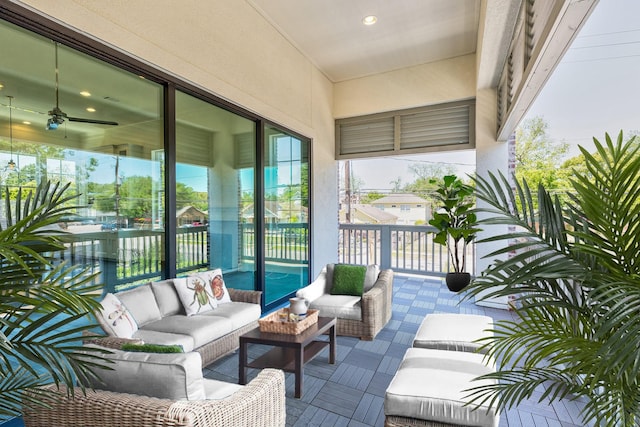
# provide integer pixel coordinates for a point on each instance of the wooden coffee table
(290, 352)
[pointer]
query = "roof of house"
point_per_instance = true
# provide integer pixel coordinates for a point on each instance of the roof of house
(400, 198)
(374, 213)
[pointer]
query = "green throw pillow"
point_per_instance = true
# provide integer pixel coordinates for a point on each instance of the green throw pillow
(348, 279)
(152, 348)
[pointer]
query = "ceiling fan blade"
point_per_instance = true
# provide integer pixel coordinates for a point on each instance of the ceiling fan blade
(92, 121)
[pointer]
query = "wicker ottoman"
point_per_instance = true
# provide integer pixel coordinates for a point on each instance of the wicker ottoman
(429, 390)
(457, 332)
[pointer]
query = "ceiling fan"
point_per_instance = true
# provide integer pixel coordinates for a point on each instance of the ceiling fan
(57, 116)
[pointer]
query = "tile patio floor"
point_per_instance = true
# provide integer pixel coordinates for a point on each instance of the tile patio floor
(351, 392)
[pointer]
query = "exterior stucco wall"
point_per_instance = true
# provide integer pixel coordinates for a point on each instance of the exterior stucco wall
(427, 84)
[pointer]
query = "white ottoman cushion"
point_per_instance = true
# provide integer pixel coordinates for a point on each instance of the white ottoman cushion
(430, 385)
(455, 332)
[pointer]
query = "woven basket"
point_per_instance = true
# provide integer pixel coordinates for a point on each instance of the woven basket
(271, 323)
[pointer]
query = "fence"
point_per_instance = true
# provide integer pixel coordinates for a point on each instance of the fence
(404, 248)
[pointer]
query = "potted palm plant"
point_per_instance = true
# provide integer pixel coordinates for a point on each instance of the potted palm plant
(456, 226)
(44, 304)
(575, 279)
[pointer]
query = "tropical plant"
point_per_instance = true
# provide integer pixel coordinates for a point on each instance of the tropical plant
(454, 218)
(42, 303)
(575, 278)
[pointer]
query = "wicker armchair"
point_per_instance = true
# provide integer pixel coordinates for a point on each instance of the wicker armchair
(361, 317)
(261, 403)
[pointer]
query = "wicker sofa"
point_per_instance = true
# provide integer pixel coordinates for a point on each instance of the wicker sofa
(160, 317)
(148, 389)
(356, 316)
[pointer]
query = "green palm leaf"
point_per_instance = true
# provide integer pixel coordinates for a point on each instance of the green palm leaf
(576, 284)
(45, 304)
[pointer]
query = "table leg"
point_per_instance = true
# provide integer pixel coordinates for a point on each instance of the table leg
(242, 363)
(299, 370)
(332, 345)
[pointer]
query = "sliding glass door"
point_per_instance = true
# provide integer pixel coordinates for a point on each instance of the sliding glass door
(286, 213)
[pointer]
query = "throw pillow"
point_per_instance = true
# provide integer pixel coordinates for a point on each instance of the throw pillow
(195, 295)
(115, 319)
(216, 283)
(348, 279)
(152, 348)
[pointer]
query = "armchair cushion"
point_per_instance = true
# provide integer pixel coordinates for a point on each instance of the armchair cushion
(373, 270)
(340, 306)
(348, 279)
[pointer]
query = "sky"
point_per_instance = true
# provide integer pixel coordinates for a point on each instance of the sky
(595, 89)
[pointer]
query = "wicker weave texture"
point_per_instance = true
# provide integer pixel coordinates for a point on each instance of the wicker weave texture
(216, 349)
(261, 403)
(376, 310)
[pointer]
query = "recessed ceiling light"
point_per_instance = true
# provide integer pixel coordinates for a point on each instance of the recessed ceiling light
(26, 122)
(85, 93)
(369, 20)
(1, 85)
(91, 109)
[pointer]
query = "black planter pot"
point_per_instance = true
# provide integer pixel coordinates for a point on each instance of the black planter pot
(457, 281)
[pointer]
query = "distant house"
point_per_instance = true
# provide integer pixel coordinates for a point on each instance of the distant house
(367, 214)
(408, 208)
(189, 215)
(277, 212)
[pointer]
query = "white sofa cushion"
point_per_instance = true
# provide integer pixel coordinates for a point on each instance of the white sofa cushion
(167, 297)
(141, 303)
(239, 313)
(115, 319)
(203, 329)
(430, 385)
(341, 306)
(172, 376)
(457, 332)
(165, 338)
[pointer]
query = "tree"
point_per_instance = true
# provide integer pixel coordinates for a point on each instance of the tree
(538, 157)
(575, 279)
(429, 171)
(371, 196)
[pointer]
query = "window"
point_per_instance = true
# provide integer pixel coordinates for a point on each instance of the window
(158, 198)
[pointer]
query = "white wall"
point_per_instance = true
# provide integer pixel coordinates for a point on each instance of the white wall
(427, 84)
(491, 156)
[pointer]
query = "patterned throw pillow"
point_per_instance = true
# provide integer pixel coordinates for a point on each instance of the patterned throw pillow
(195, 294)
(216, 283)
(115, 319)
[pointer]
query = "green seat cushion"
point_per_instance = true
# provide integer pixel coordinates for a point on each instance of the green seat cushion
(152, 348)
(348, 279)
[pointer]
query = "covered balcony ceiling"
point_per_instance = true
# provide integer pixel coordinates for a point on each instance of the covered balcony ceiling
(409, 32)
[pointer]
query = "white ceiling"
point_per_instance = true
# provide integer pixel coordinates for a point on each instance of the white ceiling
(408, 32)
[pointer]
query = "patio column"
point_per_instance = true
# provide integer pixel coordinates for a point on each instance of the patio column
(491, 156)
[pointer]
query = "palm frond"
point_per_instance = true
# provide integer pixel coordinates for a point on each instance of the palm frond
(575, 280)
